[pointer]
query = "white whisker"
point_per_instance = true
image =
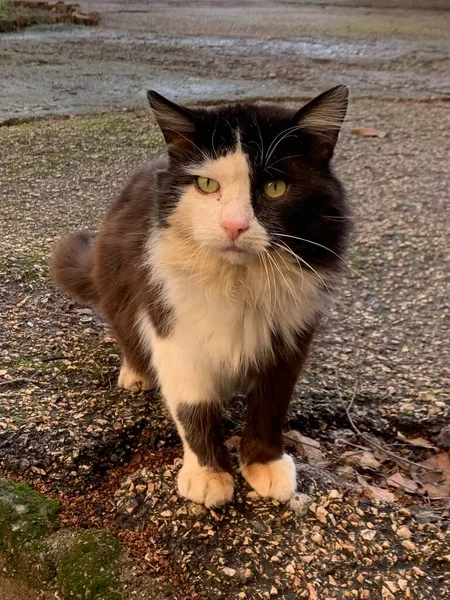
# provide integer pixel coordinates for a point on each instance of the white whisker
(297, 257)
(271, 261)
(278, 139)
(284, 158)
(277, 266)
(317, 244)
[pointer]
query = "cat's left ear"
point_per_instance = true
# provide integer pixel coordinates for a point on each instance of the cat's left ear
(176, 122)
(322, 119)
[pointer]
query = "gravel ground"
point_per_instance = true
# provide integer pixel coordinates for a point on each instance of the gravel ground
(112, 457)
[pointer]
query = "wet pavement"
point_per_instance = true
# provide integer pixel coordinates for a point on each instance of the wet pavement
(228, 51)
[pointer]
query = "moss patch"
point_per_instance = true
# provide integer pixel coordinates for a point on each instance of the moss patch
(89, 568)
(84, 565)
(25, 515)
(26, 518)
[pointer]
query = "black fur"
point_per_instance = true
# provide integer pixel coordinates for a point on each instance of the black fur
(314, 207)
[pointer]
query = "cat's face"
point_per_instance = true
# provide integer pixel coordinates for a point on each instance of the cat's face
(246, 180)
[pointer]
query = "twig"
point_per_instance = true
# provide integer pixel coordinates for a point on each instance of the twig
(368, 439)
(17, 380)
(52, 358)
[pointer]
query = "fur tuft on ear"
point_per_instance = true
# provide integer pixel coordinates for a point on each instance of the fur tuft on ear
(175, 121)
(322, 119)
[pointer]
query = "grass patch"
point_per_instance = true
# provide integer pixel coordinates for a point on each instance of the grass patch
(55, 146)
(14, 16)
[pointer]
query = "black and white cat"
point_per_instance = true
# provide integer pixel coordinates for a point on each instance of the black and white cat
(213, 268)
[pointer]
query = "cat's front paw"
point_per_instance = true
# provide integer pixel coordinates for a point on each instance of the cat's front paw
(205, 485)
(275, 479)
(130, 380)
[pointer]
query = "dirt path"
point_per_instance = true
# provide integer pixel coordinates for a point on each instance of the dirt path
(210, 52)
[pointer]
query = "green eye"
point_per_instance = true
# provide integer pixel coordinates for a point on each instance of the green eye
(275, 188)
(206, 185)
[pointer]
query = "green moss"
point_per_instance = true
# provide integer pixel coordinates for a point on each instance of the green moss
(26, 518)
(83, 565)
(24, 514)
(90, 566)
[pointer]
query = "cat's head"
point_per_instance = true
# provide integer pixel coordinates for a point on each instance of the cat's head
(246, 179)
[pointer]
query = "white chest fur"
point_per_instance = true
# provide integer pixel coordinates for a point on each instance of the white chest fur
(225, 314)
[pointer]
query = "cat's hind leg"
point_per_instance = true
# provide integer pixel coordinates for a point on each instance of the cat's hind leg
(132, 380)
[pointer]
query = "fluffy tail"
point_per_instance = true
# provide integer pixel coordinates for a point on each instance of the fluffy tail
(71, 265)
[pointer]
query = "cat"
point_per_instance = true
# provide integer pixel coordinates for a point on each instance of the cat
(213, 268)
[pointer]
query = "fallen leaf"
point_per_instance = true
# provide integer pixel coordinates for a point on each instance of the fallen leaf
(435, 485)
(439, 461)
(418, 441)
(369, 132)
(375, 493)
(399, 481)
(363, 459)
(297, 438)
(309, 447)
(346, 472)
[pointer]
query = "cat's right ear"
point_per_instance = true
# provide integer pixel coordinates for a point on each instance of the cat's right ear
(176, 122)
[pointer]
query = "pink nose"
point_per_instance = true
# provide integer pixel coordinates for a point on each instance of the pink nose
(234, 228)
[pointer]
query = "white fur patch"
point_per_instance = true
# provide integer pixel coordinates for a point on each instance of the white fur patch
(225, 313)
(202, 215)
(276, 479)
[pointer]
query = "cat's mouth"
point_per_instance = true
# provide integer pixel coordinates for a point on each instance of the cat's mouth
(235, 254)
(233, 248)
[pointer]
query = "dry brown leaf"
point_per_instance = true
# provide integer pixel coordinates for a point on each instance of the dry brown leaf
(369, 132)
(363, 459)
(309, 447)
(314, 456)
(399, 481)
(418, 441)
(439, 461)
(346, 472)
(298, 438)
(435, 485)
(375, 493)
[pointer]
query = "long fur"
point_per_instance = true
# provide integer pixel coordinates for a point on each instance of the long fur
(207, 312)
(71, 266)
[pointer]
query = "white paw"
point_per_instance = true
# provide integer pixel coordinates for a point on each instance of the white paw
(130, 380)
(276, 479)
(205, 486)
